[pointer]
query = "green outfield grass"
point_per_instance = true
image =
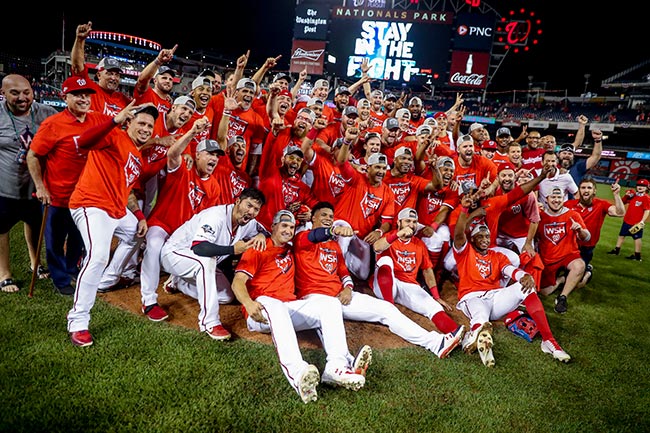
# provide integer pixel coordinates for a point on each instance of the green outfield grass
(142, 377)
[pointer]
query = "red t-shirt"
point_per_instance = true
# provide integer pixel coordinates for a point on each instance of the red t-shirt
(406, 189)
(271, 272)
(479, 273)
(103, 101)
(328, 182)
(479, 169)
(636, 206)
(593, 216)
(232, 180)
(430, 204)
(149, 96)
(555, 238)
(409, 257)
(320, 266)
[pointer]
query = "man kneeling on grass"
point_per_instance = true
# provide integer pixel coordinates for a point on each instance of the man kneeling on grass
(481, 297)
(264, 284)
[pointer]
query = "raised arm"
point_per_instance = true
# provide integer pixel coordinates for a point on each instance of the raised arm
(618, 208)
(580, 133)
(597, 151)
(164, 56)
(78, 54)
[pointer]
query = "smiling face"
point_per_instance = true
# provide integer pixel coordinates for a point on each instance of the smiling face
(245, 210)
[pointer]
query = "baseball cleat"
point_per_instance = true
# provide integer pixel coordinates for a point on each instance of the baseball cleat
(484, 345)
(561, 305)
(218, 333)
(307, 384)
(169, 286)
(552, 348)
(155, 312)
(469, 340)
(362, 361)
(81, 338)
(449, 342)
(343, 377)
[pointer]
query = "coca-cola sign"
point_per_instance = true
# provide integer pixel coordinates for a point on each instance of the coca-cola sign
(469, 69)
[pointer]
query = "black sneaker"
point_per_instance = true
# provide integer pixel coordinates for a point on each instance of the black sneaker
(561, 306)
(122, 283)
(65, 290)
(589, 272)
(614, 252)
(633, 257)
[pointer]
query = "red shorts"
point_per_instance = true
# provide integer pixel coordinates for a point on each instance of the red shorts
(549, 274)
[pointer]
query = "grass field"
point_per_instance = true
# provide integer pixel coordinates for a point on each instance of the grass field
(156, 377)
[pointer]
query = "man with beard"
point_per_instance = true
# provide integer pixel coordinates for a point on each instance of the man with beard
(333, 131)
(532, 153)
(406, 185)
(471, 167)
(163, 81)
(558, 233)
(557, 179)
(578, 169)
(391, 135)
(593, 211)
(107, 98)
(377, 112)
(195, 248)
(415, 107)
(482, 296)
(367, 205)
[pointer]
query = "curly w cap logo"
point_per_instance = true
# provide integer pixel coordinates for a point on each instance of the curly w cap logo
(328, 260)
(555, 232)
(369, 204)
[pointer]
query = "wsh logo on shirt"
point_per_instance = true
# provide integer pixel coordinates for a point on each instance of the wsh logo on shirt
(484, 267)
(328, 260)
(555, 232)
(132, 169)
(370, 204)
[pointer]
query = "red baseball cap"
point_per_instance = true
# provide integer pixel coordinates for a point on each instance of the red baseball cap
(439, 114)
(505, 166)
(642, 182)
(489, 145)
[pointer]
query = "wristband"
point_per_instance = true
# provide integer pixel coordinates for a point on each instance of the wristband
(346, 142)
(435, 226)
(381, 232)
(139, 215)
(157, 62)
(313, 132)
(434, 292)
(391, 237)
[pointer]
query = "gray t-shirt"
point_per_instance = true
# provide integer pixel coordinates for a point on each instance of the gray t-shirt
(16, 135)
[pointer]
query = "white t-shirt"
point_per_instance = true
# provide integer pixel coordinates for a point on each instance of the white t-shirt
(563, 181)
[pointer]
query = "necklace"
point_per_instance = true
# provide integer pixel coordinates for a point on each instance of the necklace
(13, 122)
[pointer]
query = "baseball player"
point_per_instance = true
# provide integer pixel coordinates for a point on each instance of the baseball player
(482, 298)
(99, 202)
(264, 284)
(635, 217)
(558, 233)
(320, 269)
(193, 251)
(400, 257)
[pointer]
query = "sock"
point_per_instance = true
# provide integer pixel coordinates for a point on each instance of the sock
(637, 256)
(385, 282)
(476, 326)
(444, 322)
(536, 312)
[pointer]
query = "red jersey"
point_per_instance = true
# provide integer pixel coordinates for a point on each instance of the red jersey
(328, 182)
(516, 218)
(320, 266)
(478, 272)
(114, 166)
(406, 189)
(409, 257)
(362, 205)
(232, 180)
(280, 191)
(500, 158)
(183, 195)
(555, 238)
(429, 204)
(636, 206)
(150, 96)
(103, 101)
(532, 159)
(593, 216)
(155, 157)
(330, 133)
(479, 169)
(56, 140)
(271, 272)
(377, 118)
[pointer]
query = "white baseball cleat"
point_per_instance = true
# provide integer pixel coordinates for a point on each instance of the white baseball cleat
(449, 342)
(484, 343)
(343, 377)
(307, 384)
(362, 361)
(552, 348)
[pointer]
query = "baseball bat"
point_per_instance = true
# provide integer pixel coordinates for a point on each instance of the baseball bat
(46, 207)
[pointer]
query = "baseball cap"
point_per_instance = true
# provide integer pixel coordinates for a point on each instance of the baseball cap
(445, 161)
(505, 166)
(237, 138)
(415, 101)
(165, 70)
(567, 148)
(431, 121)
(208, 73)
(201, 81)
(109, 64)
(247, 83)
(185, 100)
(282, 76)
(642, 182)
(149, 109)
(308, 112)
(503, 131)
(403, 112)
(285, 92)
(391, 123)
(293, 150)
(474, 126)
(479, 228)
(350, 110)
(556, 190)
(208, 145)
(404, 150)
(314, 101)
(423, 129)
(377, 92)
(467, 187)
(76, 83)
(377, 158)
(390, 96)
(464, 138)
(283, 216)
(407, 212)
(342, 89)
(489, 145)
(440, 115)
(372, 134)
(363, 103)
(322, 83)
